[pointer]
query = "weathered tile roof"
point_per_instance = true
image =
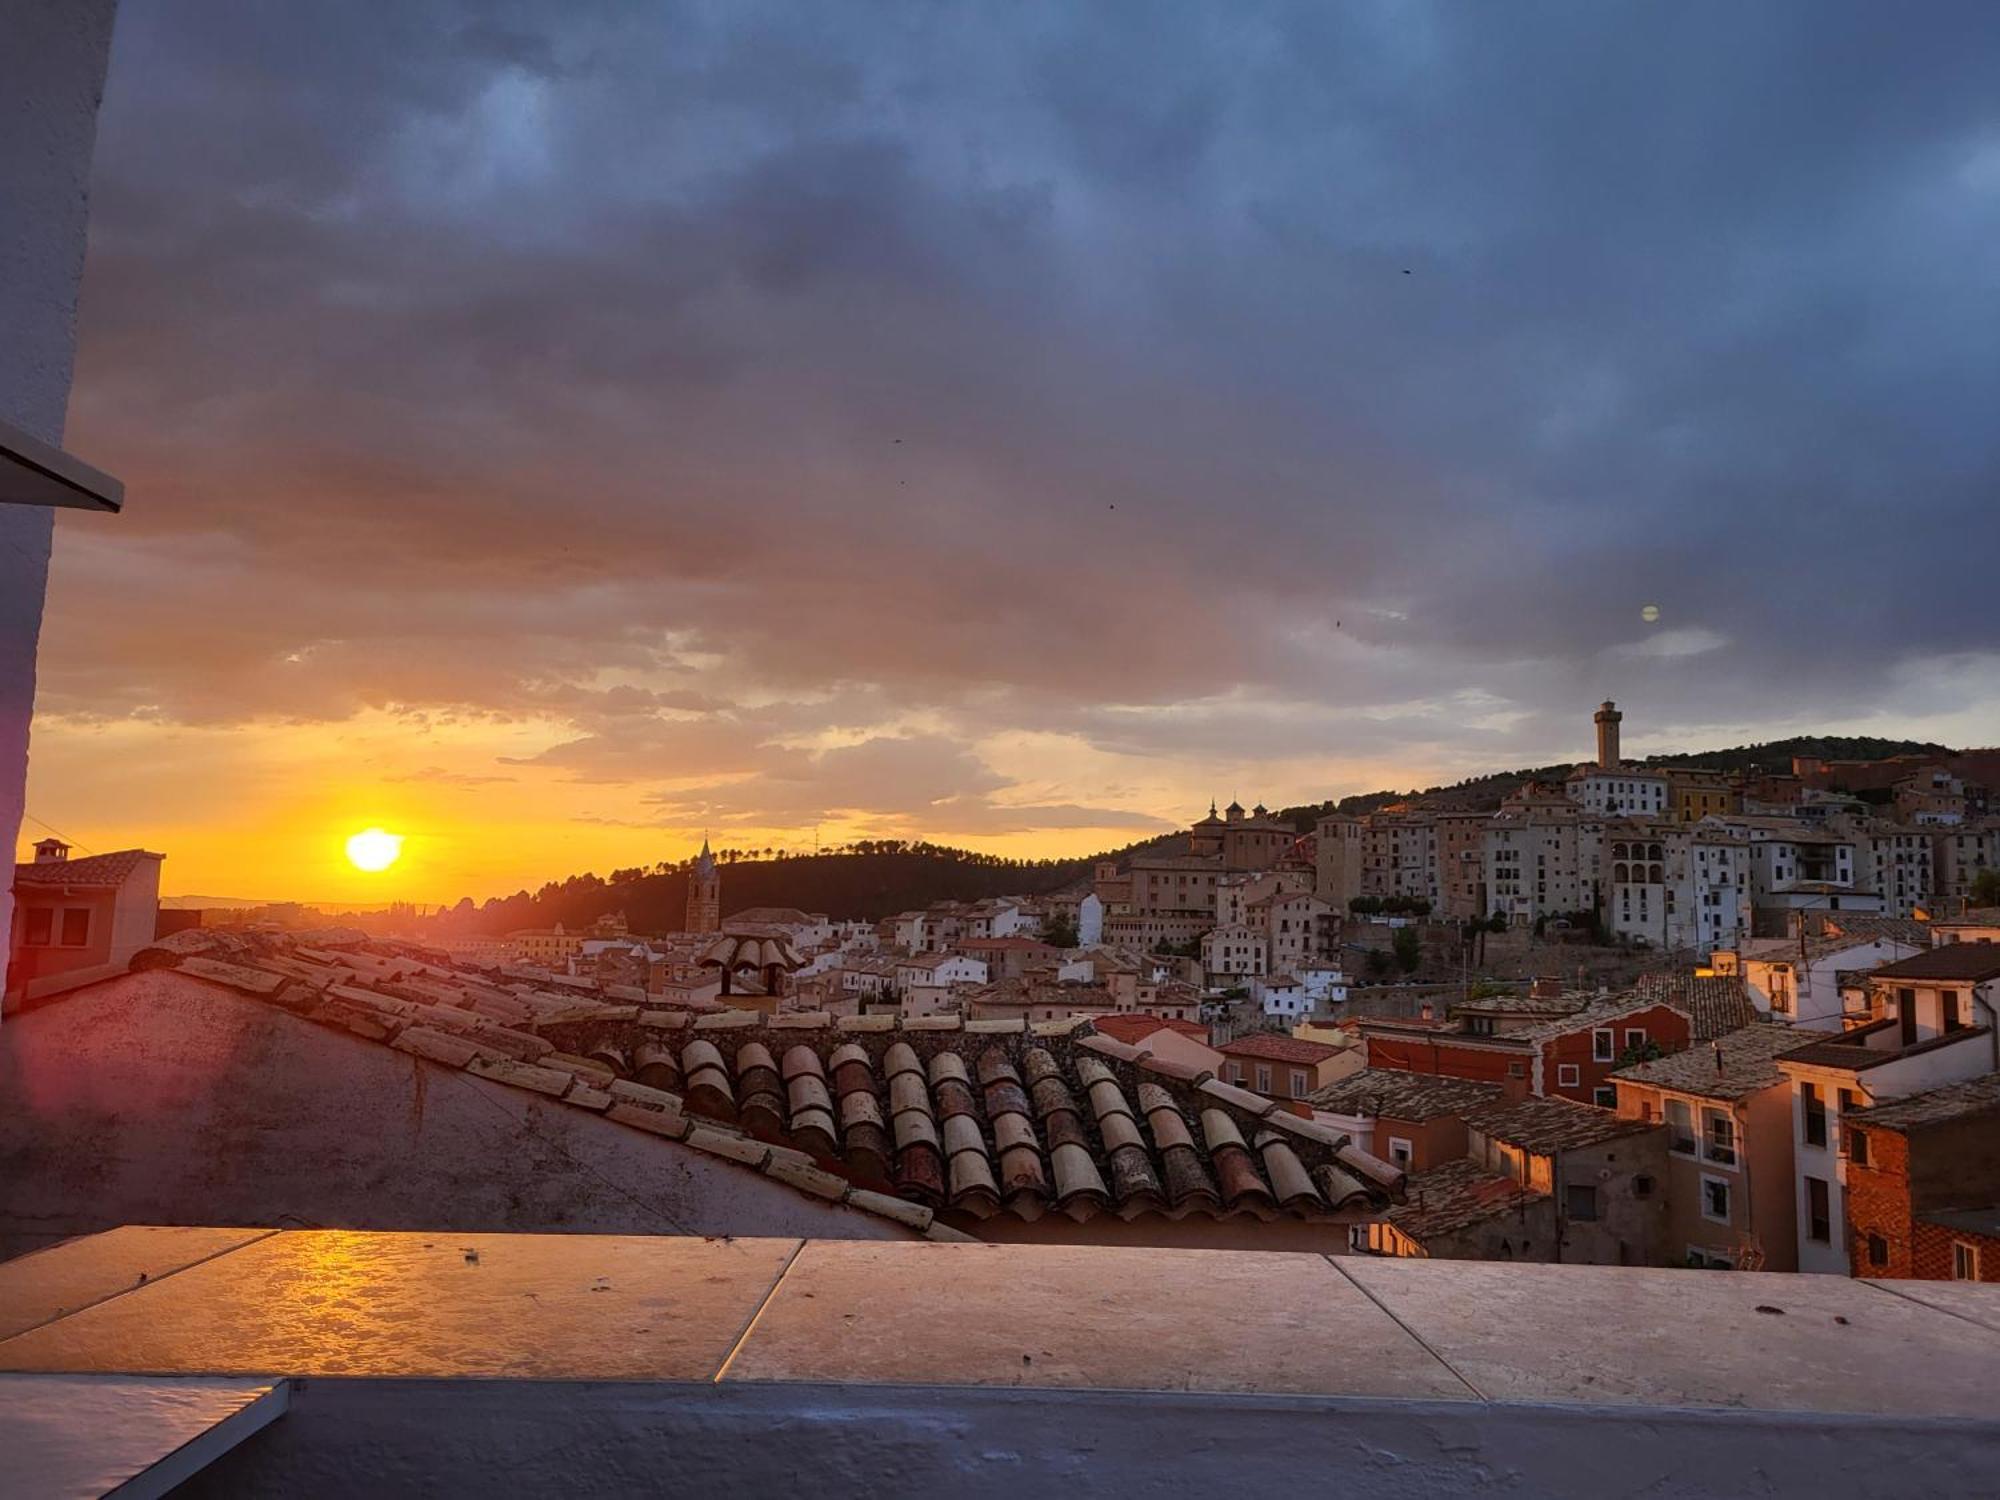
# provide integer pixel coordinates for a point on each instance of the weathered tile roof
(1983, 1221)
(1551, 1124)
(1973, 961)
(911, 1119)
(1847, 1049)
(1715, 1004)
(1975, 1096)
(1870, 925)
(1279, 1047)
(1732, 1066)
(1976, 916)
(92, 870)
(1597, 1013)
(1404, 1096)
(1456, 1196)
(1521, 1005)
(1133, 1027)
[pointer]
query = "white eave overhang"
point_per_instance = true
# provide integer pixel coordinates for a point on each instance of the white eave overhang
(33, 473)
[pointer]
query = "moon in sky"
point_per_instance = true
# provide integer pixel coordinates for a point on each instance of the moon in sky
(1650, 613)
(373, 850)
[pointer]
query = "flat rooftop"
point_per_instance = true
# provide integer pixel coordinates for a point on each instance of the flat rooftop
(426, 1361)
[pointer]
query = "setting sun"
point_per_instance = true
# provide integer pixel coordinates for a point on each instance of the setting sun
(372, 849)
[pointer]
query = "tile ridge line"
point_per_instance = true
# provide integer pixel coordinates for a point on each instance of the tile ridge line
(756, 1313)
(257, 1236)
(1421, 1342)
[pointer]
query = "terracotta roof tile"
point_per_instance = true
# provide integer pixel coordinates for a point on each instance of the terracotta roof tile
(1732, 1066)
(1454, 1197)
(1279, 1047)
(892, 1118)
(1975, 1096)
(95, 870)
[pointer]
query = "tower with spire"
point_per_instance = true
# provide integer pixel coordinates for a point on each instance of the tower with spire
(704, 908)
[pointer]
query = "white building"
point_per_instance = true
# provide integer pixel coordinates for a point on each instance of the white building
(1618, 791)
(1934, 1022)
(1282, 995)
(1542, 860)
(1797, 979)
(1899, 864)
(1234, 952)
(1089, 921)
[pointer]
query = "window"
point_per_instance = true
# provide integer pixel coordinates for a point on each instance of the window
(1680, 1127)
(1721, 1137)
(1568, 1075)
(1635, 1038)
(1263, 1078)
(1815, 1114)
(1819, 1212)
(1605, 1097)
(1400, 1152)
(1580, 1202)
(1299, 1088)
(1715, 1199)
(1517, 1070)
(41, 927)
(1964, 1261)
(1857, 1145)
(75, 926)
(1949, 1001)
(1642, 1186)
(1603, 1045)
(1236, 1073)
(1906, 1012)
(1878, 1250)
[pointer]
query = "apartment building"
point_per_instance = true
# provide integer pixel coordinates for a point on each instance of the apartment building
(1931, 1023)
(1923, 1184)
(1728, 1185)
(1541, 860)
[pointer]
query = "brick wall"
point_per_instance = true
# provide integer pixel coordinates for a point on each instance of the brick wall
(1931, 1252)
(1878, 1204)
(1953, 1164)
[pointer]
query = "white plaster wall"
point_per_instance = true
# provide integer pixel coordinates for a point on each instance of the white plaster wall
(53, 55)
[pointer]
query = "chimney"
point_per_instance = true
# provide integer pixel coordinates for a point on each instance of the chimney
(51, 852)
(1607, 719)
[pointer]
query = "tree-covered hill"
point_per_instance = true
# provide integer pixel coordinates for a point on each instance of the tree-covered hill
(878, 878)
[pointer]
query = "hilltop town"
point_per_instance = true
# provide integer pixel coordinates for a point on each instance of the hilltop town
(1639, 1015)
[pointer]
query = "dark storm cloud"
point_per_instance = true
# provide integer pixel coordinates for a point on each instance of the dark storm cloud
(1038, 368)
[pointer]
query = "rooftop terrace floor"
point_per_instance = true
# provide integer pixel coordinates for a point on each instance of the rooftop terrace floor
(431, 1362)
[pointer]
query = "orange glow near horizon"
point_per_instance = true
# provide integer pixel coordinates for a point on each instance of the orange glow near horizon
(263, 812)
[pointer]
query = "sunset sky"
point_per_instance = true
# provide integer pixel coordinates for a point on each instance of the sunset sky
(557, 430)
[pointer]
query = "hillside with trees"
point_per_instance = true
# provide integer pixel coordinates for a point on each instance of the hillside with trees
(876, 878)
(872, 879)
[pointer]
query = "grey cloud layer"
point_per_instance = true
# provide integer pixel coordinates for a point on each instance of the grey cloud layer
(1037, 367)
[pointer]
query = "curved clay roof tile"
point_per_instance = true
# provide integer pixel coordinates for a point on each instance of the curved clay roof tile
(801, 1060)
(1219, 1130)
(1077, 1177)
(948, 1065)
(907, 1095)
(1288, 1176)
